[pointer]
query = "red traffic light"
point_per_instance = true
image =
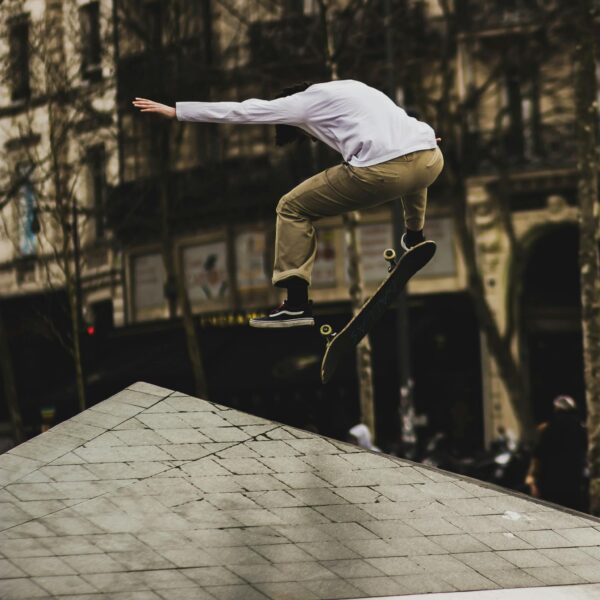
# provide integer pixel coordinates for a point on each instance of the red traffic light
(91, 330)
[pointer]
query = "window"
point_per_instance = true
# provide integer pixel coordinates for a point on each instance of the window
(89, 18)
(154, 20)
(19, 59)
(27, 216)
(97, 187)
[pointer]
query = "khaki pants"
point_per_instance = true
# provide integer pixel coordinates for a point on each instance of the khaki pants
(344, 188)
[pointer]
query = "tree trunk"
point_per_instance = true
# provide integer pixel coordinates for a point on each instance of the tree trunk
(363, 350)
(9, 386)
(176, 290)
(589, 227)
(65, 202)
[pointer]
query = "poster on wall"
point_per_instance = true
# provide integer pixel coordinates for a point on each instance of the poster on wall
(205, 268)
(250, 260)
(323, 274)
(148, 281)
(374, 238)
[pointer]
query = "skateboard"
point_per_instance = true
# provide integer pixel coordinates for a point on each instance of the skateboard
(400, 271)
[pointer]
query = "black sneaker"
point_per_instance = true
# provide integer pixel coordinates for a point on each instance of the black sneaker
(286, 316)
(405, 246)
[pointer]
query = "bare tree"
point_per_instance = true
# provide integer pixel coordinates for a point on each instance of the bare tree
(160, 35)
(586, 94)
(61, 117)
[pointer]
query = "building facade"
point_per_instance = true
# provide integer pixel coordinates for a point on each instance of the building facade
(204, 195)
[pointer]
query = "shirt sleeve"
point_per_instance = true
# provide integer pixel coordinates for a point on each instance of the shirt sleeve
(288, 110)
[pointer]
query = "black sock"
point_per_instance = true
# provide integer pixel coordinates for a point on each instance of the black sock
(413, 238)
(297, 289)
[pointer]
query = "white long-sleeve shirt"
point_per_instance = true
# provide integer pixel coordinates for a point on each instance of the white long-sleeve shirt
(358, 121)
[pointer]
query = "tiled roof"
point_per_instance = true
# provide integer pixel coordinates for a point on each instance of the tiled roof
(154, 494)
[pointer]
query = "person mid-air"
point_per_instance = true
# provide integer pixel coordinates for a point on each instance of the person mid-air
(386, 155)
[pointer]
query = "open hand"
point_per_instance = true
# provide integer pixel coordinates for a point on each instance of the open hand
(150, 106)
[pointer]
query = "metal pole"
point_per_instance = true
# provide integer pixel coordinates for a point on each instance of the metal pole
(405, 386)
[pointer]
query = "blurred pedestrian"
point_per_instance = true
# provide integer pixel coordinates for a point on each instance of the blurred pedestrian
(386, 153)
(360, 435)
(558, 464)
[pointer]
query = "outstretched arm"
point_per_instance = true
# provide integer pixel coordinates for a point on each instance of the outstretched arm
(155, 107)
(288, 110)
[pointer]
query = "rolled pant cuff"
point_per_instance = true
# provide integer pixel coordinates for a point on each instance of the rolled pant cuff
(290, 273)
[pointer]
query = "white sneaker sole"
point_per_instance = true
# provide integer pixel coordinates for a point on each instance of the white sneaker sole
(307, 321)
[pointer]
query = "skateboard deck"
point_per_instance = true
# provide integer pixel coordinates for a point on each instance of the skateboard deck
(339, 344)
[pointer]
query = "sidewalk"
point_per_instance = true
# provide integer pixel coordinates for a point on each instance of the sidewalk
(154, 495)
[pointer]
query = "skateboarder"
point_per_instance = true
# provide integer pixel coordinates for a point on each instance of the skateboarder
(386, 155)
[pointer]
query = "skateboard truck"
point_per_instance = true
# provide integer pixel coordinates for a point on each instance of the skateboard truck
(390, 255)
(327, 332)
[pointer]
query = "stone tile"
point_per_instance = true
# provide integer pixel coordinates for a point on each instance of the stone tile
(92, 563)
(484, 561)
(242, 466)
(286, 465)
(391, 529)
(459, 543)
(331, 550)
(347, 531)
(212, 576)
(358, 495)
(305, 571)
(300, 514)
(581, 536)
(333, 588)
(9, 571)
(555, 575)
(141, 560)
(574, 556)
(590, 573)
(303, 533)
(236, 555)
(61, 585)
(424, 583)
(43, 565)
(513, 578)
(194, 593)
(313, 445)
(259, 482)
(282, 553)
(259, 573)
(531, 558)
(236, 592)
(476, 524)
(545, 539)
(344, 513)
(301, 480)
(273, 448)
(441, 564)
(416, 546)
(469, 581)
(318, 497)
(22, 589)
(290, 590)
(26, 547)
(373, 548)
(432, 526)
(352, 568)
(378, 586)
(502, 541)
(144, 388)
(274, 499)
(396, 566)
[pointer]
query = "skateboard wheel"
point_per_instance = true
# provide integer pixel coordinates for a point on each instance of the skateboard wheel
(326, 330)
(389, 254)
